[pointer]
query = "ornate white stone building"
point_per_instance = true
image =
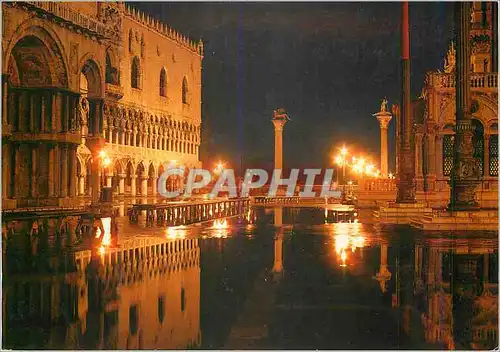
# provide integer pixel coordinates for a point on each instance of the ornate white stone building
(434, 116)
(83, 81)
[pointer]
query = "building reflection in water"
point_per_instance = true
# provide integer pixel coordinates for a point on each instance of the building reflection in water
(278, 243)
(145, 294)
(456, 285)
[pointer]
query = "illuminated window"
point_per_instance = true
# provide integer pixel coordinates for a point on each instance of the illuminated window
(493, 155)
(447, 154)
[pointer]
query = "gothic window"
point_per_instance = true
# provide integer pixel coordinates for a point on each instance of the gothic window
(111, 72)
(478, 143)
(493, 155)
(161, 309)
(163, 83)
(185, 91)
(133, 320)
(183, 300)
(135, 73)
(447, 154)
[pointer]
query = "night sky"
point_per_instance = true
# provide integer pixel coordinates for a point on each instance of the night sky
(327, 64)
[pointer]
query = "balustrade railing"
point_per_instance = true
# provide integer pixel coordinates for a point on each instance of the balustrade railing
(477, 80)
(60, 10)
(379, 184)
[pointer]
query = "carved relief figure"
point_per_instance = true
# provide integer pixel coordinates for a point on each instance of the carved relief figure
(83, 110)
(449, 63)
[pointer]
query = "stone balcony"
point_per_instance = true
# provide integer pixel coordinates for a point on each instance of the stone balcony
(487, 81)
(114, 91)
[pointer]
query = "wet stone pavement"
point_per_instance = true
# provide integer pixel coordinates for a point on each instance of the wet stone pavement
(284, 278)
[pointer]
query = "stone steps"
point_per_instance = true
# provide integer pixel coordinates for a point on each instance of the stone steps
(480, 220)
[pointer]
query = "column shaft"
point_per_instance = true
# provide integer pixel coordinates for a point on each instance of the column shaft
(383, 152)
(64, 170)
(486, 159)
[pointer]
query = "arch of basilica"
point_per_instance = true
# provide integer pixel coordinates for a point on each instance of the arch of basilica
(74, 73)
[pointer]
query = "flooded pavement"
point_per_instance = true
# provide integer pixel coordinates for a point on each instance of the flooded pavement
(283, 278)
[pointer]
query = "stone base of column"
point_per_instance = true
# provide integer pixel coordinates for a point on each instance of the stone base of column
(479, 220)
(8, 203)
(419, 183)
(401, 213)
(463, 196)
(69, 202)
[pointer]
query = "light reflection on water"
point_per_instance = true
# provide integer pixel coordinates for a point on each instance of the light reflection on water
(187, 286)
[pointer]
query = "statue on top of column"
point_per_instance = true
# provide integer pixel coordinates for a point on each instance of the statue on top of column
(383, 105)
(280, 114)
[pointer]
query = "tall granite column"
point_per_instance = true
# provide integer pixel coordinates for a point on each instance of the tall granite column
(383, 117)
(279, 119)
(465, 172)
(406, 174)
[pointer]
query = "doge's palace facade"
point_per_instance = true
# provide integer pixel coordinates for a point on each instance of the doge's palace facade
(81, 72)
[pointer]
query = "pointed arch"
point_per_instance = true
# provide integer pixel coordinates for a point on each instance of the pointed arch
(185, 90)
(163, 82)
(135, 73)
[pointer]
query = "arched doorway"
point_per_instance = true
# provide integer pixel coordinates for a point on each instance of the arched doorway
(36, 72)
(90, 87)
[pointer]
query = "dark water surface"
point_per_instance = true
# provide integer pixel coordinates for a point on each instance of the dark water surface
(312, 283)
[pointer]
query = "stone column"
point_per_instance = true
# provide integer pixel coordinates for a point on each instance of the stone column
(383, 274)
(109, 180)
(144, 186)
(133, 185)
(486, 159)
(33, 182)
(81, 185)
(51, 168)
(121, 184)
(419, 174)
(154, 181)
(406, 174)
(465, 175)
(383, 117)
(439, 156)
(73, 176)
(6, 169)
(279, 119)
(5, 103)
(64, 170)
